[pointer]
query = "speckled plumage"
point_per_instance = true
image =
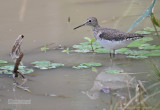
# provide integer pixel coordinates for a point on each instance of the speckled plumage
(110, 39)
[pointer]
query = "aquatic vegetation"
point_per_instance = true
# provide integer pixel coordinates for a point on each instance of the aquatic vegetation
(44, 48)
(87, 65)
(114, 71)
(150, 30)
(2, 61)
(7, 68)
(145, 51)
(66, 51)
(46, 64)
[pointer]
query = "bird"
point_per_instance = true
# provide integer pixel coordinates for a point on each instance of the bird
(110, 39)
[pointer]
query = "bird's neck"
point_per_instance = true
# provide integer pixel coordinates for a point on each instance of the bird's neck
(95, 28)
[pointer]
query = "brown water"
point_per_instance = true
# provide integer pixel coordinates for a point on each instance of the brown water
(46, 21)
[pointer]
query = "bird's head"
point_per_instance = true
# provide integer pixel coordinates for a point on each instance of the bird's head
(91, 21)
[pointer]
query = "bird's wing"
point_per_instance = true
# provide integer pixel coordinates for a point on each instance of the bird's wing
(113, 34)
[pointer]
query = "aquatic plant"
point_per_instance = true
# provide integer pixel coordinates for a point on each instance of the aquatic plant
(87, 65)
(44, 48)
(145, 51)
(66, 51)
(7, 68)
(147, 12)
(46, 64)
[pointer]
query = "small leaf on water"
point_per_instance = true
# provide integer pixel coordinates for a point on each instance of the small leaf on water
(94, 69)
(87, 65)
(137, 57)
(143, 32)
(88, 39)
(2, 61)
(93, 40)
(139, 42)
(44, 48)
(66, 51)
(149, 29)
(46, 64)
(7, 69)
(148, 46)
(114, 71)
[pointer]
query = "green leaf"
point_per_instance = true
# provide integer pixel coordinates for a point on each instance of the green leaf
(7, 69)
(139, 42)
(2, 61)
(87, 65)
(114, 71)
(93, 40)
(66, 51)
(147, 12)
(101, 50)
(88, 39)
(148, 46)
(155, 21)
(94, 69)
(137, 57)
(46, 64)
(143, 32)
(44, 48)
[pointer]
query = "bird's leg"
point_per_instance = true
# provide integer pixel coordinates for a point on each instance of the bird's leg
(113, 53)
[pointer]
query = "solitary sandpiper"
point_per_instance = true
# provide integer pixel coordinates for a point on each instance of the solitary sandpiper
(110, 39)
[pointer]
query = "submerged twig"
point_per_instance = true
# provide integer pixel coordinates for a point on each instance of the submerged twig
(17, 55)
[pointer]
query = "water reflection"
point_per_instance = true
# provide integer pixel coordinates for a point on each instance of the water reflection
(109, 82)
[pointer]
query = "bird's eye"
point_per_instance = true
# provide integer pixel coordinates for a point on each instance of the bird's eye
(89, 20)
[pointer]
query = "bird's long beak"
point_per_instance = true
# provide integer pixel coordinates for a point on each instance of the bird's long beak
(79, 26)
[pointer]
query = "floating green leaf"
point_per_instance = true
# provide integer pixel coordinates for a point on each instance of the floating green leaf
(46, 64)
(66, 51)
(85, 47)
(149, 46)
(149, 30)
(44, 48)
(139, 42)
(2, 61)
(114, 71)
(94, 69)
(137, 57)
(87, 65)
(88, 39)
(143, 32)
(7, 69)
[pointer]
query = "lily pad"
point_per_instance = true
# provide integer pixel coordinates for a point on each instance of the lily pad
(46, 64)
(149, 30)
(149, 46)
(7, 69)
(139, 42)
(137, 57)
(87, 65)
(3, 61)
(114, 71)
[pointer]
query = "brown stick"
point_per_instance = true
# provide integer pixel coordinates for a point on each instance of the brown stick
(15, 70)
(17, 55)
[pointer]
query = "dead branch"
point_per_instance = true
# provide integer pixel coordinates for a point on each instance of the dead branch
(17, 55)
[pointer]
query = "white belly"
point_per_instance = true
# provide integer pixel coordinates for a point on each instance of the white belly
(113, 45)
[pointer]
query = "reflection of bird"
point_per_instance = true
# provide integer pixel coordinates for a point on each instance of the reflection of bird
(110, 39)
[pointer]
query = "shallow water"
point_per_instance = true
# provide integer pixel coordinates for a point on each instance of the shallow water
(45, 22)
